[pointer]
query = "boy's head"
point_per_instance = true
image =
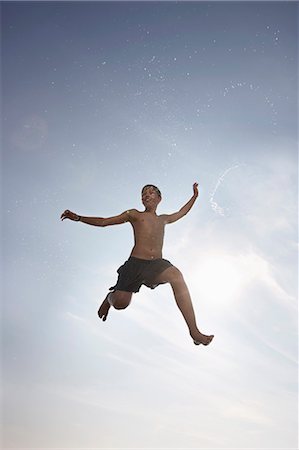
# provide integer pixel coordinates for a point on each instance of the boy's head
(151, 196)
(151, 187)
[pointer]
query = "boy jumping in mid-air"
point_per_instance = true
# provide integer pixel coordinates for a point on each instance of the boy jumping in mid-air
(145, 264)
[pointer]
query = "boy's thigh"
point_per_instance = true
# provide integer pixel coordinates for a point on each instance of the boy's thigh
(169, 275)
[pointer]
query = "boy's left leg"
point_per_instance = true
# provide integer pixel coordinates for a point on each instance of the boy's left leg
(181, 293)
(117, 299)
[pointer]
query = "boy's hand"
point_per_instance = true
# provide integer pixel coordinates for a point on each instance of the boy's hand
(69, 215)
(195, 189)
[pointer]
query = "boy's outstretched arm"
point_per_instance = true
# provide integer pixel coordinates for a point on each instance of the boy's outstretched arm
(126, 216)
(170, 218)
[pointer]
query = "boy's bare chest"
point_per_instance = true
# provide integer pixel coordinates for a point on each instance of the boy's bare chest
(151, 225)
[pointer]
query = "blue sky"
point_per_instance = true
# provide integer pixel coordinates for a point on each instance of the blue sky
(99, 99)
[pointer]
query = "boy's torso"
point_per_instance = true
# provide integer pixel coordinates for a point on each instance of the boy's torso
(149, 234)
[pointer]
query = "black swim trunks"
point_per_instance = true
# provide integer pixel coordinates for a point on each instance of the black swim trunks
(135, 272)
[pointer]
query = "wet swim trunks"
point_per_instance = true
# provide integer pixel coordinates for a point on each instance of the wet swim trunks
(135, 272)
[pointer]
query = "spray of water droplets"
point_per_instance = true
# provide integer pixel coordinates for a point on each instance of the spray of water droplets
(214, 205)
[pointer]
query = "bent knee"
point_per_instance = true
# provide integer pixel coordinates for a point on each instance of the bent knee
(121, 305)
(121, 300)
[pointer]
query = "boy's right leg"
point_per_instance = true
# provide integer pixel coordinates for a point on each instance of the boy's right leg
(117, 299)
(181, 294)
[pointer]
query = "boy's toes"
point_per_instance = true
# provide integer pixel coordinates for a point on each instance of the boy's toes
(204, 340)
(211, 338)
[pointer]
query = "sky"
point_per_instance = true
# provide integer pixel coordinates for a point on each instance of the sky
(99, 99)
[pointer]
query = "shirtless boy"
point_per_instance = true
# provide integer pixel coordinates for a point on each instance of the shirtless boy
(145, 264)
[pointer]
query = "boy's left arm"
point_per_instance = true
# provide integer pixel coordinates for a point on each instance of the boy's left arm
(170, 218)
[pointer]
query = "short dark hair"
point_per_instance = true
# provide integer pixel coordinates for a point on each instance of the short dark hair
(154, 187)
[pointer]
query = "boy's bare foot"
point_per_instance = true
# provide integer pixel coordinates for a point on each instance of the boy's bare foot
(104, 309)
(199, 338)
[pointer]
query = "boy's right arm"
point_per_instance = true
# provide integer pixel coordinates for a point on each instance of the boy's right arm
(126, 216)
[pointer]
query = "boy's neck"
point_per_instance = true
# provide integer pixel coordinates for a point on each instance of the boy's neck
(152, 211)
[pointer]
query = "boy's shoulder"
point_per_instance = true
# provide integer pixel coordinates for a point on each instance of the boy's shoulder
(133, 213)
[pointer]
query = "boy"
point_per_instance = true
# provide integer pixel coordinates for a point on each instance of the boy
(145, 264)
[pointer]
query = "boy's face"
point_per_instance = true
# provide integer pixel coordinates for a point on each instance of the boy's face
(150, 197)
